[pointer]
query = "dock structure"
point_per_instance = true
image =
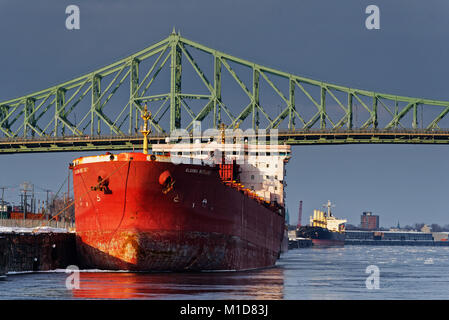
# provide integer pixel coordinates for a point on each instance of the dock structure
(295, 242)
(36, 251)
(396, 242)
(395, 238)
(3, 257)
(299, 243)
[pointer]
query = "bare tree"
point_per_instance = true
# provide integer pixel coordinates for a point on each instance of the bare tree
(63, 208)
(418, 226)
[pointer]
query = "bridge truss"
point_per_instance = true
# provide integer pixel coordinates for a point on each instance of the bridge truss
(183, 82)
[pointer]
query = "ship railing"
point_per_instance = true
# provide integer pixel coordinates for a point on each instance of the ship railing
(272, 205)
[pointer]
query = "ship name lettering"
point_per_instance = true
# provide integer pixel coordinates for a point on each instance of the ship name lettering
(190, 170)
(82, 170)
(188, 310)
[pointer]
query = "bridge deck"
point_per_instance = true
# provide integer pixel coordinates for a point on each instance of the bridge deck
(297, 137)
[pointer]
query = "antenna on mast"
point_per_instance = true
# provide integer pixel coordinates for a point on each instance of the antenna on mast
(329, 205)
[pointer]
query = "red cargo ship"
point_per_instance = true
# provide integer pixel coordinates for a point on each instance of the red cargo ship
(142, 212)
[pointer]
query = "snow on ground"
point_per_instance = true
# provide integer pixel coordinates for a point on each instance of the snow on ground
(30, 230)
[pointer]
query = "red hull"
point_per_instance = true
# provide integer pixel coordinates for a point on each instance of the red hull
(201, 224)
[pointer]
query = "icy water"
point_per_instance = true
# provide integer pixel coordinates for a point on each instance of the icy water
(334, 273)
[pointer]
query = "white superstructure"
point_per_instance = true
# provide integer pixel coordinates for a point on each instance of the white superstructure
(262, 166)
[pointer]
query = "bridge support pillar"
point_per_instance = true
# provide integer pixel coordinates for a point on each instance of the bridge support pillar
(175, 83)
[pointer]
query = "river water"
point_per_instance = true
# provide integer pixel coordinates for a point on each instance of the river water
(300, 274)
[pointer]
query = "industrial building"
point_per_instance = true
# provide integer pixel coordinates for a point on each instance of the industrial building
(369, 221)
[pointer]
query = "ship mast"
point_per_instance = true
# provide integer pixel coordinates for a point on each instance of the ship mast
(328, 205)
(145, 115)
(223, 141)
(222, 131)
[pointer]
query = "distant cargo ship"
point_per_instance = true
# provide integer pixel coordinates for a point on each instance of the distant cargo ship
(143, 212)
(324, 229)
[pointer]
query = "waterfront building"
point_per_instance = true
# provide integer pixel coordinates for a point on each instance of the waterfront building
(368, 221)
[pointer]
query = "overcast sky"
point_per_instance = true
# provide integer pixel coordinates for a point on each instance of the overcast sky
(324, 40)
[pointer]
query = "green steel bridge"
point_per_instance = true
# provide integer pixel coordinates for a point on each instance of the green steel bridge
(184, 83)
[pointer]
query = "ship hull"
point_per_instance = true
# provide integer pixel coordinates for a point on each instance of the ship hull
(170, 251)
(327, 243)
(139, 224)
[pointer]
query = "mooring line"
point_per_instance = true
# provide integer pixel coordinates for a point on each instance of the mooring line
(73, 202)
